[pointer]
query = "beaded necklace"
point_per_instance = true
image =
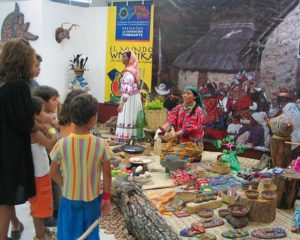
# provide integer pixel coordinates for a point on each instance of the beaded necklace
(188, 108)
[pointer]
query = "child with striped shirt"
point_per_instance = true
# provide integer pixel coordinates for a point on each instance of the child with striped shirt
(82, 157)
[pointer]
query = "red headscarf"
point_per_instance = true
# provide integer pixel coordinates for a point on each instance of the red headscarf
(133, 67)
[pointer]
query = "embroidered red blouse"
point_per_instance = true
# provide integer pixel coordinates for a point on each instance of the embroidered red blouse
(180, 118)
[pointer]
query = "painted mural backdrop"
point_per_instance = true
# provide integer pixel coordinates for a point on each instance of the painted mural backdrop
(129, 28)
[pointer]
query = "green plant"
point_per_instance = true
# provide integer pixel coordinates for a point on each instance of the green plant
(156, 104)
(114, 99)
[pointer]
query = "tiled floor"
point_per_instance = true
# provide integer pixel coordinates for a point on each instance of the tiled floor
(23, 213)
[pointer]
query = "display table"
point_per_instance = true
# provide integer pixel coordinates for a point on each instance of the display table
(283, 219)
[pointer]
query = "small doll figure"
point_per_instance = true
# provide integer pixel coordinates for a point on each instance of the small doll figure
(78, 66)
(296, 227)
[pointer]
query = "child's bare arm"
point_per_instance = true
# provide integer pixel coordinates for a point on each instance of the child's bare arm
(55, 174)
(106, 176)
(47, 142)
(105, 202)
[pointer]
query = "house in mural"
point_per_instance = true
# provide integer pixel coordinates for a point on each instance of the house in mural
(215, 56)
(222, 38)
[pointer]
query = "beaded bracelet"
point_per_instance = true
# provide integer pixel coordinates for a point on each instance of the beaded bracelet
(106, 196)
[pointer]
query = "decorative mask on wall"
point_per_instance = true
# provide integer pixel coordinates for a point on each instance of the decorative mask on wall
(14, 26)
(61, 33)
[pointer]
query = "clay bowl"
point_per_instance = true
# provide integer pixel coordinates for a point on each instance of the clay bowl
(206, 212)
(268, 195)
(252, 194)
(238, 210)
(223, 212)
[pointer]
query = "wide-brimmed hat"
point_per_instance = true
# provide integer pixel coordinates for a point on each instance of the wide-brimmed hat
(162, 89)
(283, 92)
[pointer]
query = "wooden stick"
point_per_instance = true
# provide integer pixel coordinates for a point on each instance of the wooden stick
(292, 143)
(89, 230)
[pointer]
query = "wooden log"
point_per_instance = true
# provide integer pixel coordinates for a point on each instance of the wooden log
(287, 191)
(141, 218)
(280, 152)
(260, 210)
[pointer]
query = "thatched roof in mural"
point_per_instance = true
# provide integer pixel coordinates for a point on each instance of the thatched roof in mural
(218, 50)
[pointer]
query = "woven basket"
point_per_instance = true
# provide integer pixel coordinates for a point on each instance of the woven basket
(194, 207)
(268, 195)
(252, 194)
(238, 210)
(186, 196)
(220, 168)
(155, 118)
(227, 199)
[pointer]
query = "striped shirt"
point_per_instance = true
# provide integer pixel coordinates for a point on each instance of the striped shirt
(80, 157)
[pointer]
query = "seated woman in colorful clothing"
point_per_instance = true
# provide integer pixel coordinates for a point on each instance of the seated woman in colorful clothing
(187, 120)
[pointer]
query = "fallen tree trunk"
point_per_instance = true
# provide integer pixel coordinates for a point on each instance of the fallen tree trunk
(141, 218)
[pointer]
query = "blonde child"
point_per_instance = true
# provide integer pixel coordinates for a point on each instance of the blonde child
(41, 203)
(82, 157)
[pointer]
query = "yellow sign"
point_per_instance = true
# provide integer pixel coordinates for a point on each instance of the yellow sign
(142, 48)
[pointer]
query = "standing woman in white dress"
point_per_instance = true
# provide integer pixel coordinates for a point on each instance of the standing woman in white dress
(130, 103)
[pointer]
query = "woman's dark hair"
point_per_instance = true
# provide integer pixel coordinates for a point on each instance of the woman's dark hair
(64, 117)
(46, 92)
(194, 109)
(82, 109)
(37, 104)
(16, 61)
(196, 104)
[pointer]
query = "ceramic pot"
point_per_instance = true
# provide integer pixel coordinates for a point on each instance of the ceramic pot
(245, 185)
(254, 184)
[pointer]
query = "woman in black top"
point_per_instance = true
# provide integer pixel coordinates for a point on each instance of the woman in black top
(16, 121)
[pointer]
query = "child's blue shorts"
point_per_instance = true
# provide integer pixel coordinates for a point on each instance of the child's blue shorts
(75, 217)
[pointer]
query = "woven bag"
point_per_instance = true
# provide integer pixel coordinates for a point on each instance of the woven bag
(155, 118)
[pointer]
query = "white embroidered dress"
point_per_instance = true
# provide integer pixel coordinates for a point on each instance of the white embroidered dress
(126, 124)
